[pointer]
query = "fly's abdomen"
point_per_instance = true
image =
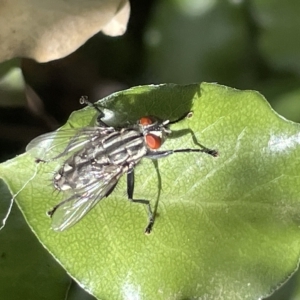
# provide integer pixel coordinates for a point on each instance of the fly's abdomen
(73, 177)
(127, 147)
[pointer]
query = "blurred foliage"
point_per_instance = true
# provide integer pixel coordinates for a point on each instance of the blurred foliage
(246, 44)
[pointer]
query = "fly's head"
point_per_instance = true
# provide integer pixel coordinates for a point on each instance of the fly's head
(154, 130)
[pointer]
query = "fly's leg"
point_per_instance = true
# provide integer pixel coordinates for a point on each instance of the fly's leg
(159, 186)
(130, 189)
(211, 152)
(182, 132)
(84, 100)
(161, 154)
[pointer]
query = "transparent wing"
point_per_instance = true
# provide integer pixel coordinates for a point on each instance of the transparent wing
(75, 207)
(56, 144)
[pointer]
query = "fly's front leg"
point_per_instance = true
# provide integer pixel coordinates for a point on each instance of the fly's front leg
(182, 132)
(130, 189)
(161, 154)
(84, 100)
(211, 152)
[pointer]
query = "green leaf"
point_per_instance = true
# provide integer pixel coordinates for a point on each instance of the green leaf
(226, 227)
(27, 271)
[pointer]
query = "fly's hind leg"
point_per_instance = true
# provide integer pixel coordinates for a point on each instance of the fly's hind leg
(130, 189)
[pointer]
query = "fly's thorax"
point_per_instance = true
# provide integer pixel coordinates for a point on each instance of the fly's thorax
(122, 149)
(125, 146)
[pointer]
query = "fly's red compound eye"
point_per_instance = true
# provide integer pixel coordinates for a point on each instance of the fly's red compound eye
(153, 141)
(145, 121)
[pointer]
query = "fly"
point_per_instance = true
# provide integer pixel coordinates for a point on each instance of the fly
(97, 157)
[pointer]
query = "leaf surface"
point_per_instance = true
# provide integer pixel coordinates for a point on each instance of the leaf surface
(226, 227)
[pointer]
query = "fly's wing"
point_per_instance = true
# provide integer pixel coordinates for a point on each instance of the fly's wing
(53, 145)
(72, 209)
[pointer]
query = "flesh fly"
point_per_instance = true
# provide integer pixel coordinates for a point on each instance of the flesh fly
(96, 157)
